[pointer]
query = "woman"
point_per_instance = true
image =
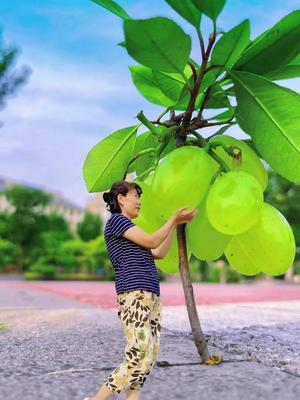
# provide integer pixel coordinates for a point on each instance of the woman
(132, 252)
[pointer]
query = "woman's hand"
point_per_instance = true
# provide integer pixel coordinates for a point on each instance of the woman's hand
(182, 217)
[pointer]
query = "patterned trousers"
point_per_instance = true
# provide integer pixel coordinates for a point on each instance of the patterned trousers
(140, 315)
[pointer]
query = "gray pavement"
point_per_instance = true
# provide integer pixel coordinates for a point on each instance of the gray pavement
(53, 348)
(23, 298)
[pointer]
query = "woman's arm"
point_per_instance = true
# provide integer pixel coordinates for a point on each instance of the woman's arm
(162, 250)
(154, 240)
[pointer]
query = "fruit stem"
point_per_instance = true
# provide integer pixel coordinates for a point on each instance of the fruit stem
(144, 174)
(219, 160)
(216, 175)
(200, 138)
(145, 121)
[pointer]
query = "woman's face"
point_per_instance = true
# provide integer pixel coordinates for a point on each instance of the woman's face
(130, 204)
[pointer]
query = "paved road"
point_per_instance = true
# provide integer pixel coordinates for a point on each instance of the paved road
(61, 346)
(102, 294)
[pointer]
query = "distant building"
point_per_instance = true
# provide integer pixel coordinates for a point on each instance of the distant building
(97, 206)
(69, 210)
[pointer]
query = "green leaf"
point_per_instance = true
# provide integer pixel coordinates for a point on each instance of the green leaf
(273, 49)
(296, 60)
(224, 116)
(144, 82)
(171, 83)
(150, 88)
(250, 143)
(123, 44)
(107, 161)
(287, 72)
(170, 147)
(230, 91)
(221, 131)
(211, 8)
(187, 10)
(113, 7)
(231, 45)
(218, 99)
(158, 43)
(143, 141)
(269, 113)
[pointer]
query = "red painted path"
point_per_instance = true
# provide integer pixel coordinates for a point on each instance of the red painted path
(103, 295)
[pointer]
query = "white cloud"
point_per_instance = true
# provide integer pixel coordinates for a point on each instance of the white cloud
(57, 118)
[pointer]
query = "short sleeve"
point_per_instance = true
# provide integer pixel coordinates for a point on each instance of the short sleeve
(119, 224)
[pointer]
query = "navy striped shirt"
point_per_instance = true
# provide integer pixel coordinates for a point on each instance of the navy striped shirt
(134, 265)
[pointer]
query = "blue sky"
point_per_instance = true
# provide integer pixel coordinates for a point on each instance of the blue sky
(80, 89)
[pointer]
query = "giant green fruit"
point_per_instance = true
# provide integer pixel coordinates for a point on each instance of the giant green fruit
(205, 242)
(150, 224)
(182, 179)
(148, 211)
(269, 246)
(150, 221)
(251, 163)
(234, 202)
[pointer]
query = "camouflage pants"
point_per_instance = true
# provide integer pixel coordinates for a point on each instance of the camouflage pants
(140, 315)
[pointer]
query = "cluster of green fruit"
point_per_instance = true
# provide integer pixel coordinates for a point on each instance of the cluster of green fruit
(232, 216)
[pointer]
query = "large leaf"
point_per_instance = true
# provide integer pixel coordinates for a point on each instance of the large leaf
(273, 49)
(158, 43)
(287, 72)
(108, 160)
(211, 8)
(187, 10)
(113, 7)
(171, 83)
(218, 99)
(224, 116)
(144, 82)
(150, 88)
(269, 113)
(170, 147)
(143, 141)
(296, 60)
(229, 48)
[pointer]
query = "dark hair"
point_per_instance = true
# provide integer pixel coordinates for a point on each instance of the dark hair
(119, 187)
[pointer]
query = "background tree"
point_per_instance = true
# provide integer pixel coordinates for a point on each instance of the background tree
(11, 78)
(28, 219)
(90, 227)
(47, 248)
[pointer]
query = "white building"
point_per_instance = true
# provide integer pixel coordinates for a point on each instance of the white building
(69, 210)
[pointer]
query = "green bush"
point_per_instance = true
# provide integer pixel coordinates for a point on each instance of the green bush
(232, 276)
(10, 254)
(50, 251)
(297, 269)
(214, 273)
(40, 272)
(78, 277)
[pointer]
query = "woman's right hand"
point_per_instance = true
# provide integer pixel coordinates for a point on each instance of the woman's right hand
(182, 217)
